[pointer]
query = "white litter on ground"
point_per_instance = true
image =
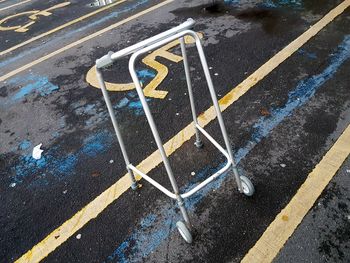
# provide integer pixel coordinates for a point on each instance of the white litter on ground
(78, 236)
(283, 165)
(37, 152)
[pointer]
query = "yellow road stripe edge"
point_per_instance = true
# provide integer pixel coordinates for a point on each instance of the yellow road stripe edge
(10, 6)
(59, 27)
(82, 40)
(278, 232)
(96, 206)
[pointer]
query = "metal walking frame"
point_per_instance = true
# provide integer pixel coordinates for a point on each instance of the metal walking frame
(243, 183)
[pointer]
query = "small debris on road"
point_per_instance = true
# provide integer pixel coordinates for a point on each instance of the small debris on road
(78, 236)
(95, 174)
(37, 152)
(264, 112)
(283, 165)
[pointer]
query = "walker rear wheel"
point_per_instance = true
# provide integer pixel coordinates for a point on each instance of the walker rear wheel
(248, 187)
(185, 233)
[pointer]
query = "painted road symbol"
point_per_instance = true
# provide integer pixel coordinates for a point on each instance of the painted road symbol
(33, 17)
(150, 89)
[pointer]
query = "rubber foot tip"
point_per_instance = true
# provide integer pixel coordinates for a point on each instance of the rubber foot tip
(134, 186)
(199, 144)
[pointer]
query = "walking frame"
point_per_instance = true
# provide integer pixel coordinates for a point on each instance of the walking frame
(243, 183)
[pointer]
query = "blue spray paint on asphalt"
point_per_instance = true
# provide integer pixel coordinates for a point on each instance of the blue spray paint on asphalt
(100, 21)
(131, 101)
(232, 2)
(307, 54)
(54, 164)
(32, 84)
(144, 240)
(145, 74)
(24, 145)
(298, 4)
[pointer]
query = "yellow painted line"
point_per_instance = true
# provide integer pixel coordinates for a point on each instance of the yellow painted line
(82, 40)
(8, 7)
(96, 206)
(278, 232)
(60, 27)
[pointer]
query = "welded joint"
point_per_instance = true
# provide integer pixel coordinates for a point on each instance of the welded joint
(105, 61)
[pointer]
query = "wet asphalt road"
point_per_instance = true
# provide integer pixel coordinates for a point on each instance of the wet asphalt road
(279, 131)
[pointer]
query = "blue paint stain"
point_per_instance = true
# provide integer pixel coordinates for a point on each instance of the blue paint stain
(143, 240)
(95, 144)
(307, 54)
(232, 2)
(118, 253)
(100, 21)
(33, 84)
(148, 220)
(122, 103)
(145, 75)
(53, 163)
(136, 106)
(297, 4)
(55, 134)
(24, 145)
(131, 102)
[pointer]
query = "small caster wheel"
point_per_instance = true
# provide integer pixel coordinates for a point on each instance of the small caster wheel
(248, 187)
(185, 233)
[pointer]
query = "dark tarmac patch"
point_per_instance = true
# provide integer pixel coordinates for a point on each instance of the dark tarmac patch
(3, 92)
(272, 19)
(214, 9)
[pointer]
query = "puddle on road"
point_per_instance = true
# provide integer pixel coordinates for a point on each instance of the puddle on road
(272, 15)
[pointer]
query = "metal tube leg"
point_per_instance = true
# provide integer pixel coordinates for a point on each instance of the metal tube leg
(218, 112)
(198, 141)
(184, 213)
(156, 135)
(115, 125)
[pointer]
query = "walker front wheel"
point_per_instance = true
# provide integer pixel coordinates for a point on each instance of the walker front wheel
(185, 233)
(248, 187)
